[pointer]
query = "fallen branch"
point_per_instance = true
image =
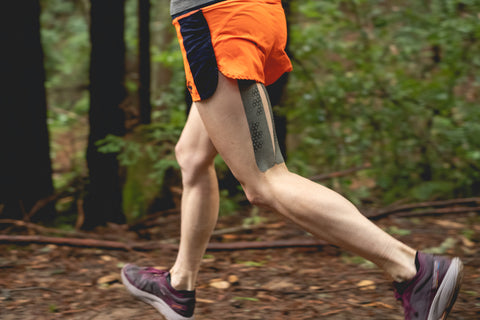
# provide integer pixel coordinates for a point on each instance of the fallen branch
(147, 246)
(74, 242)
(418, 209)
(261, 245)
(438, 212)
(38, 228)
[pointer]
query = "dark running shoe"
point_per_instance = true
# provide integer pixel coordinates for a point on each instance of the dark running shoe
(430, 295)
(153, 287)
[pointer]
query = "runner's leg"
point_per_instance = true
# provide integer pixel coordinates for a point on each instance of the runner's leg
(317, 209)
(200, 200)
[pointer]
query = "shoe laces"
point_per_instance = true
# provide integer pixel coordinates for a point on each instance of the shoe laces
(153, 272)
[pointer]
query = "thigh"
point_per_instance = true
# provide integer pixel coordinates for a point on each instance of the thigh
(225, 119)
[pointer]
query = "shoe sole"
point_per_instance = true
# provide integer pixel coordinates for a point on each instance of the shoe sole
(152, 300)
(447, 292)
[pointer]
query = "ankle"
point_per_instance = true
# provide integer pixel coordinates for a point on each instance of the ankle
(182, 280)
(405, 268)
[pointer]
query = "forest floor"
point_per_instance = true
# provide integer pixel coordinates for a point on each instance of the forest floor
(45, 281)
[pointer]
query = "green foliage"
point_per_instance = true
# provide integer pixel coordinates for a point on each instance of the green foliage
(147, 154)
(446, 245)
(65, 40)
(254, 219)
(354, 259)
(397, 231)
(252, 263)
(246, 299)
(390, 83)
(394, 84)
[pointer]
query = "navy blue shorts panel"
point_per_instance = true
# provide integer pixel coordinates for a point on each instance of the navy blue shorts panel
(200, 55)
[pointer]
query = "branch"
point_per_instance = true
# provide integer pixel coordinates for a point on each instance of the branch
(147, 246)
(41, 229)
(261, 245)
(413, 209)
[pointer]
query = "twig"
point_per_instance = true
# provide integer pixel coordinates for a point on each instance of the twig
(80, 215)
(40, 204)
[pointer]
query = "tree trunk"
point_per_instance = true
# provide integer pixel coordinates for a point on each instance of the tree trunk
(276, 92)
(144, 60)
(25, 165)
(103, 202)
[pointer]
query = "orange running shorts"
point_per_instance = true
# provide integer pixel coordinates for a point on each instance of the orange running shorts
(242, 39)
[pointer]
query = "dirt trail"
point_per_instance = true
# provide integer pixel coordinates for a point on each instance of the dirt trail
(58, 282)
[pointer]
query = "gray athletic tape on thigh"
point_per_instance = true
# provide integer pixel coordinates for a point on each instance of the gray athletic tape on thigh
(266, 155)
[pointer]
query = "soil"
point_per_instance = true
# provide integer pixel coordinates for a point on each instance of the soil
(39, 281)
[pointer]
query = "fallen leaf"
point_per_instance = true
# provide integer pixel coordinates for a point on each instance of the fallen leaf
(230, 237)
(265, 296)
(233, 279)
(449, 224)
(106, 258)
(277, 284)
(366, 285)
(219, 284)
(110, 278)
(378, 304)
(466, 242)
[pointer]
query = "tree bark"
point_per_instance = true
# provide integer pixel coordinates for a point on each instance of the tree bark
(103, 202)
(25, 165)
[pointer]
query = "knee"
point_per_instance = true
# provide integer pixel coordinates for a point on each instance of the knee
(258, 193)
(193, 162)
(262, 190)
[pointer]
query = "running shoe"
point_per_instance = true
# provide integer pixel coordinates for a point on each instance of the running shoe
(153, 287)
(430, 295)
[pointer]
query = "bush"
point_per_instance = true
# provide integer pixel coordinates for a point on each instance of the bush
(390, 83)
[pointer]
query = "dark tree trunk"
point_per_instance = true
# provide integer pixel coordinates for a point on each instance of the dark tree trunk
(25, 166)
(103, 202)
(144, 60)
(276, 92)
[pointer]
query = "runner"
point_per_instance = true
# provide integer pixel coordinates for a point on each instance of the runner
(231, 50)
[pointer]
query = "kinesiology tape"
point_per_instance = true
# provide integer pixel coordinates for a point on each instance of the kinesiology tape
(261, 124)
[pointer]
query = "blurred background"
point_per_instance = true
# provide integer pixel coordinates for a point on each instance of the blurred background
(382, 106)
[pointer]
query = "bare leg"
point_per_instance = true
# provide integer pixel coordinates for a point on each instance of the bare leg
(200, 200)
(319, 210)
